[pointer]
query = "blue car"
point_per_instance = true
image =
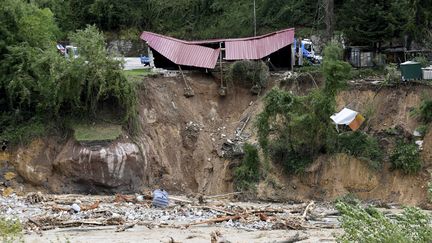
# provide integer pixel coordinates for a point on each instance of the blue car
(145, 60)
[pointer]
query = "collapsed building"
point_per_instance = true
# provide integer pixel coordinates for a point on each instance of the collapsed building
(171, 53)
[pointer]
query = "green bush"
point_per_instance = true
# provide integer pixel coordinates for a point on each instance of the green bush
(422, 60)
(370, 225)
(393, 76)
(348, 198)
(336, 72)
(40, 84)
(294, 130)
(425, 110)
(254, 73)
(406, 157)
(16, 130)
(247, 174)
(360, 145)
(10, 230)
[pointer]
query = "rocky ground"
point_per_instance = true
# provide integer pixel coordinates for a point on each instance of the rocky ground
(131, 218)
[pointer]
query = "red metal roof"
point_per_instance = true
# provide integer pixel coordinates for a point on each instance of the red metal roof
(182, 53)
(255, 48)
(191, 53)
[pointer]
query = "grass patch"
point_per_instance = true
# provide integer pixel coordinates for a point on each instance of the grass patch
(96, 132)
(138, 72)
(366, 72)
(137, 75)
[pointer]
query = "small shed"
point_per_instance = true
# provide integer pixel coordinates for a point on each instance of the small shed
(411, 70)
(360, 56)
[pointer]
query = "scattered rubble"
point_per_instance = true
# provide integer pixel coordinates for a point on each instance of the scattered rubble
(40, 212)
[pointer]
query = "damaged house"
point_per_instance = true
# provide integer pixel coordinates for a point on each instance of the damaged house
(170, 53)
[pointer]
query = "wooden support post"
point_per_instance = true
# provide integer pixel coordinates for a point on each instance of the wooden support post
(292, 57)
(188, 92)
(222, 88)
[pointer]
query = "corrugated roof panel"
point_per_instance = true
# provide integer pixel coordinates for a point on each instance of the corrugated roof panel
(258, 47)
(181, 53)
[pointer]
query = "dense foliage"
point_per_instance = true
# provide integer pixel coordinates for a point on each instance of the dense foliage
(363, 22)
(251, 73)
(406, 157)
(248, 172)
(37, 83)
(370, 225)
(292, 129)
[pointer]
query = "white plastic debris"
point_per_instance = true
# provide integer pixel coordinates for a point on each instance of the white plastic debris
(344, 117)
(419, 144)
(140, 198)
(76, 208)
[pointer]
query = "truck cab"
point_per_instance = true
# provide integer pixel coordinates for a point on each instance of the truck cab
(308, 51)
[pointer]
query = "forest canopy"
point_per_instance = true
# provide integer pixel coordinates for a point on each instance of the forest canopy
(363, 22)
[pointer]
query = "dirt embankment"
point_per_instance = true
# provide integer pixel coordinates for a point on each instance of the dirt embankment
(179, 148)
(182, 137)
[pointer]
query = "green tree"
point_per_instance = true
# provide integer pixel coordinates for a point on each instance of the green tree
(367, 22)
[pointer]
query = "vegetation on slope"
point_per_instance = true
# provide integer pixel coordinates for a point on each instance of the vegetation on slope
(38, 84)
(294, 130)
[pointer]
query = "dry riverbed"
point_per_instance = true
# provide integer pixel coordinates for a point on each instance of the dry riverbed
(131, 218)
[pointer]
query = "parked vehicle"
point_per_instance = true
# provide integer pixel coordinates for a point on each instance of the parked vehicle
(308, 52)
(145, 60)
(68, 51)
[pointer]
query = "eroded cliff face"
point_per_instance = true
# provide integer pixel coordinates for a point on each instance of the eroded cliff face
(179, 149)
(330, 177)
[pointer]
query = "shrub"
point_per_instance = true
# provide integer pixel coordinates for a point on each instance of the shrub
(406, 157)
(248, 172)
(41, 84)
(424, 62)
(10, 230)
(393, 76)
(425, 110)
(335, 71)
(293, 130)
(348, 198)
(370, 225)
(422, 129)
(254, 73)
(362, 146)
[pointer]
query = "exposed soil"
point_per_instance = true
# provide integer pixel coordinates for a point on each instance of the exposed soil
(182, 137)
(179, 147)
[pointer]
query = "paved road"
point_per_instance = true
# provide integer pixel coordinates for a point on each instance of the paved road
(132, 63)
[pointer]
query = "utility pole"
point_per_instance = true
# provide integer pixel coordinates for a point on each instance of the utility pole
(254, 13)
